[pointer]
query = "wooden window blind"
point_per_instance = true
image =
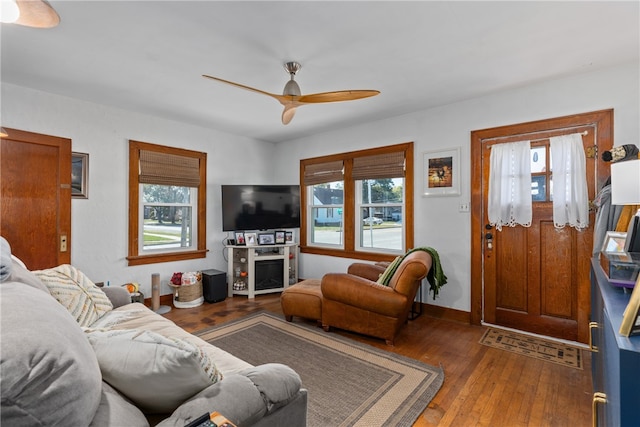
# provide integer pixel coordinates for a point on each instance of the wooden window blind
(389, 165)
(320, 173)
(169, 169)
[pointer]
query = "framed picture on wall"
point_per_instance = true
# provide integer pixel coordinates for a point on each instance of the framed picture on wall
(441, 173)
(80, 175)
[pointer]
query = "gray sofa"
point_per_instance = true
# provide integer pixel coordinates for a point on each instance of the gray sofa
(88, 357)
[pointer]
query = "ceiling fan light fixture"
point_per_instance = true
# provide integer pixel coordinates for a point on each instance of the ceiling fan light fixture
(291, 88)
(9, 11)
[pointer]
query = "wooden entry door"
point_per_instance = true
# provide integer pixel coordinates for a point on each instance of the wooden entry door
(35, 213)
(536, 278)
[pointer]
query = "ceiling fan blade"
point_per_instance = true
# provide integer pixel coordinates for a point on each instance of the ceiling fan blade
(37, 14)
(288, 113)
(342, 95)
(273, 95)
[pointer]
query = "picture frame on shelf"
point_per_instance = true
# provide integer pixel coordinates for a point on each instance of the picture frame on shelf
(288, 236)
(79, 175)
(280, 237)
(240, 239)
(266, 239)
(441, 173)
(250, 239)
(614, 241)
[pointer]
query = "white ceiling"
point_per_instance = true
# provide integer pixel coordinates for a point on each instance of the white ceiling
(148, 56)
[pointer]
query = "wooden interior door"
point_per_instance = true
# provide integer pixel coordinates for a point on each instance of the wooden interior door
(35, 212)
(536, 278)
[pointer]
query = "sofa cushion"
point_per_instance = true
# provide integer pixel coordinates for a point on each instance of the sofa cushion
(19, 273)
(157, 373)
(115, 410)
(79, 295)
(138, 316)
(263, 390)
(50, 375)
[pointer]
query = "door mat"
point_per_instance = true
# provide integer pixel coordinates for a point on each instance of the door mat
(538, 348)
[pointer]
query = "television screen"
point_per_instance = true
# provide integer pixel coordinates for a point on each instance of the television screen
(260, 207)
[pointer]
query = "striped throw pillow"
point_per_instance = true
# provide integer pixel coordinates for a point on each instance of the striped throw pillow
(386, 276)
(80, 296)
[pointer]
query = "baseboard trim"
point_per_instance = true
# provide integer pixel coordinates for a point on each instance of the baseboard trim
(164, 300)
(446, 313)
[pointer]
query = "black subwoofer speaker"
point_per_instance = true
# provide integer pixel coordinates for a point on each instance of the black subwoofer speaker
(214, 285)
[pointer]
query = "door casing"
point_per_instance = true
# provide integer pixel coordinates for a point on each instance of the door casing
(602, 122)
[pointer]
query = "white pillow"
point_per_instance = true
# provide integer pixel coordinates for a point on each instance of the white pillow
(79, 295)
(157, 373)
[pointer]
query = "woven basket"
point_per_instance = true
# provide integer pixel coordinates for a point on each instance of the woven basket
(187, 293)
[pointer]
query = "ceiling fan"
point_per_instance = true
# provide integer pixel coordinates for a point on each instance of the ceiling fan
(292, 98)
(30, 13)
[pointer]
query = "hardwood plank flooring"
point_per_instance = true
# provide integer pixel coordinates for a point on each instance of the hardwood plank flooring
(483, 386)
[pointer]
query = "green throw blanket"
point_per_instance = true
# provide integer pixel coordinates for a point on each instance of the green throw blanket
(435, 276)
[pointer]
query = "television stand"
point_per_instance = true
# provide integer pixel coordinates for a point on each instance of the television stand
(264, 269)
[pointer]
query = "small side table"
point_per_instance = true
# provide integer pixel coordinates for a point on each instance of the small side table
(416, 312)
(137, 297)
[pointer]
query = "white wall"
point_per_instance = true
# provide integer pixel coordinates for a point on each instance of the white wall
(99, 224)
(99, 232)
(437, 220)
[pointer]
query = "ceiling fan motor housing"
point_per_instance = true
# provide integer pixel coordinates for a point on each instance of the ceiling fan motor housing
(292, 88)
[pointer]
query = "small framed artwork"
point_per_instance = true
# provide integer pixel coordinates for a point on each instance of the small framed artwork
(80, 175)
(280, 237)
(240, 241)
(288, 236)
(614, 241)
(250, 239)
(266, 239)
(441, 173)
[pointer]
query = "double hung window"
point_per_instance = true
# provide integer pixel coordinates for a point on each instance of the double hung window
(355, 204)
(167, 203)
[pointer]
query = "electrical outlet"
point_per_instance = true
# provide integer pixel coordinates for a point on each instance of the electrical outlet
(464, 207)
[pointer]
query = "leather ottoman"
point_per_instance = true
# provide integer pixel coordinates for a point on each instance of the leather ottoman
(304, 299)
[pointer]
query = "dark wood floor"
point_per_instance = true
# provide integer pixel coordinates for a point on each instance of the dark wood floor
(483, 386)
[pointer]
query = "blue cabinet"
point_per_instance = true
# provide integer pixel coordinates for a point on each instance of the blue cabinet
(616, 359)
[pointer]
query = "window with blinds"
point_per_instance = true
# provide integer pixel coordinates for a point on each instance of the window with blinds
(167, 202)
(355, 203)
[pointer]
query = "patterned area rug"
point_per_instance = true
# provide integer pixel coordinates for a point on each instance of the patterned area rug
(348, 383)
(539, 348)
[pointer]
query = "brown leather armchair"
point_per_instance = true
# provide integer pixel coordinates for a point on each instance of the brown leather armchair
(355, 302)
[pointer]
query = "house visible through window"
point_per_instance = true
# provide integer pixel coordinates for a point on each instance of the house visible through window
(355, 204)
(167, 203)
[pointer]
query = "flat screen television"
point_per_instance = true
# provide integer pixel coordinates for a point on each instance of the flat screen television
(260, 207)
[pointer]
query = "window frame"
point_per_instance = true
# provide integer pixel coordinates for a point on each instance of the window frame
(135, 257)
(349, 215)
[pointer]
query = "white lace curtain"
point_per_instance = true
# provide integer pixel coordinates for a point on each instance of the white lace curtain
(570, 195)
(510, 185)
